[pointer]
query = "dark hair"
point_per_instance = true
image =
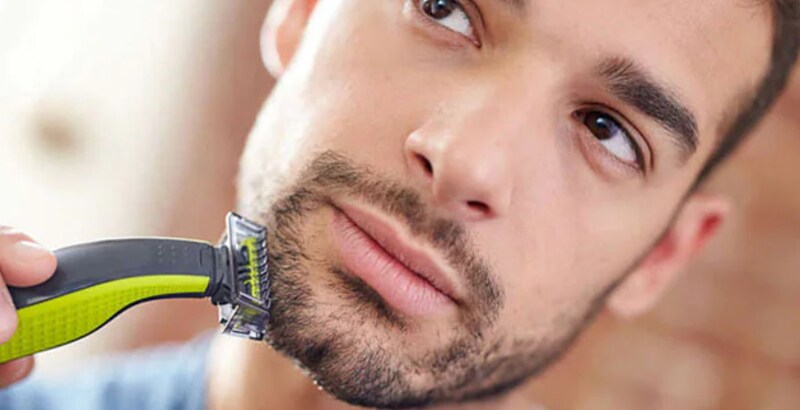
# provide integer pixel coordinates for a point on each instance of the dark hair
(784, 55)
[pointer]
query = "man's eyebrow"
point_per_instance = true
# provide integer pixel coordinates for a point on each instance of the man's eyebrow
(635, 86)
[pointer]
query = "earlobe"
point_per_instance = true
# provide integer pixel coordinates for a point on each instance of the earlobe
(697, 221)
(282, 31)
(643, 287)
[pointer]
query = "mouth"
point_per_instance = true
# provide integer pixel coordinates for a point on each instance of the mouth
(407, 276)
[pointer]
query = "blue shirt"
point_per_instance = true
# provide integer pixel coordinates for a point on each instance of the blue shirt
(172, 378)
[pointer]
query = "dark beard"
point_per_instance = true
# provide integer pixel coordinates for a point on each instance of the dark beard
(361, 371)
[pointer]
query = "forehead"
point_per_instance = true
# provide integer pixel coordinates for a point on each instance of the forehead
(710, 51)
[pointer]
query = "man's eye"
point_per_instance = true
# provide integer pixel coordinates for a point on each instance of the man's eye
(616, 140)
(449, 14)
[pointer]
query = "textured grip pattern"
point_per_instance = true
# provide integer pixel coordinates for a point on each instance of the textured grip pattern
(67, 318)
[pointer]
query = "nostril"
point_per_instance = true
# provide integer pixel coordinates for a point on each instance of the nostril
(426, 164)
(479, 207)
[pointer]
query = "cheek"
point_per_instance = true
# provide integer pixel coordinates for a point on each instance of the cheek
(536, 259)
(565, 251)
(355, 86)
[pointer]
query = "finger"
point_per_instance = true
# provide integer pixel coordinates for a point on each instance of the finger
(15, 370)
(8, 314)
(23, 262)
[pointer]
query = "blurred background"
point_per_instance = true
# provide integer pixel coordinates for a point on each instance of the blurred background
(125, 119)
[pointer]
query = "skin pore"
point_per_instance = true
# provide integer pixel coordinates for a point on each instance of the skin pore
(539, 152)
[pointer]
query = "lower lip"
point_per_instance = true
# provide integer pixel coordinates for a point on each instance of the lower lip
(401, 288)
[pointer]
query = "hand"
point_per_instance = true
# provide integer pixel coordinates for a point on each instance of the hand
(23, 262)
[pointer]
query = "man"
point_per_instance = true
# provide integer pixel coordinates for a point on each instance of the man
(454, 188)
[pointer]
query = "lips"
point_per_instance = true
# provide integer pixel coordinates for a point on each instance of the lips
(410, 278)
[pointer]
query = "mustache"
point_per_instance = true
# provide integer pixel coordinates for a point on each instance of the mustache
(331, 174)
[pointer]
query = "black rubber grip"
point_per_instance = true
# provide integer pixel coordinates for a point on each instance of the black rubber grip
(85, 265)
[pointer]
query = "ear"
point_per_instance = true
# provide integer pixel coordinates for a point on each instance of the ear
(282, 31)
(697, 221)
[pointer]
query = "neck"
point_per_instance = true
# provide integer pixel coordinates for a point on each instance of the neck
(248, 376)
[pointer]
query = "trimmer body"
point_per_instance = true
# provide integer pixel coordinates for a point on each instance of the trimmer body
(95, 282)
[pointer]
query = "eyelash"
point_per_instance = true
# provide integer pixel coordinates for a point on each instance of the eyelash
(469, 8)
(640, 165)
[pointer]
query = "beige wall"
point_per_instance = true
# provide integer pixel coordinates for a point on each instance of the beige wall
(126, 118)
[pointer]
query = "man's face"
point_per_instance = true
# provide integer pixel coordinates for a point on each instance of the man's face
(453, 187)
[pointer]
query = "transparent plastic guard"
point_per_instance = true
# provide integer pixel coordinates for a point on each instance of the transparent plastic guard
(248, 313)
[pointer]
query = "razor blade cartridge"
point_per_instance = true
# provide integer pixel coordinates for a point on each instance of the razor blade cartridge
(245, 310)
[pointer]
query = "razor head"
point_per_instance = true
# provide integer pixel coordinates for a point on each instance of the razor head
(245, 312)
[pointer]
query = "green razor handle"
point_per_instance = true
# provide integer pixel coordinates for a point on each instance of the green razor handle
(95, 282)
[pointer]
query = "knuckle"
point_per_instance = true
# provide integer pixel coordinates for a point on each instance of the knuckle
(10, 234)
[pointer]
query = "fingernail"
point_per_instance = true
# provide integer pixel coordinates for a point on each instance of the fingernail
(8, 316)
(5, 298)
(28, 250)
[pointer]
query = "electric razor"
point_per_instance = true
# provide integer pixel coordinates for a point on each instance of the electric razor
(95, 282)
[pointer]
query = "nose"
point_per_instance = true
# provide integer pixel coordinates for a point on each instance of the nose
(465, 170)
